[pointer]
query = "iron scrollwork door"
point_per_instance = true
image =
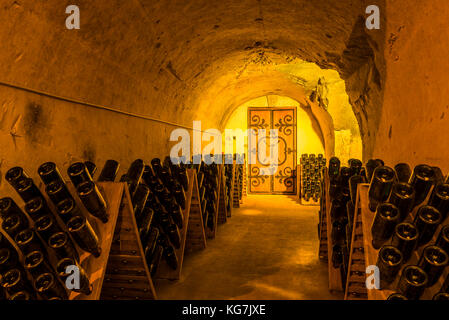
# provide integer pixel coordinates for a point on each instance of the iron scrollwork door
(283, 181)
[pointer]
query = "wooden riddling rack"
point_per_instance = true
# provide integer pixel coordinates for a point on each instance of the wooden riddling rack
(362, 254)
(237, 184)
(303, 201)
(219, 205)
(325, 231)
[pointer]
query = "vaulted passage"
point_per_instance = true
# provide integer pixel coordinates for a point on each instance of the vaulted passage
(135, 71)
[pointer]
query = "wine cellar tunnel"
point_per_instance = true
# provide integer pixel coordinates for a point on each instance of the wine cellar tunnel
(136, 70)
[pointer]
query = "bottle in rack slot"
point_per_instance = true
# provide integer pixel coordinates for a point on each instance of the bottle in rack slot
(441, 296)
(84, 235)
(57, 191)
(14, 281)
(14, 175)
(36, 264)
(67, 209)
(91, 168)
(439, 177)
(27, 190)
(426, 221)
(109, 171)
(14, 223)
(9, 259)
(443, 239)
(380, 186)
(93, 200)
(405, 238)
(46, 226)
(433, 261)
(49, 172)
(422, 179)
(403, 172)
(78, 173)
(389, 263)
(371, 166)
(27, 241)
(354, 181)
(66, 264)
(49, 287)
(413, 282)
(8, 207)
(403, 197)
(62, 246)
(385, 221)
(440, 200)
(36, 208)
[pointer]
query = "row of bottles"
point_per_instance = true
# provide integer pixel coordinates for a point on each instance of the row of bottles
(47, 242)
(411, 209)
(311, 167)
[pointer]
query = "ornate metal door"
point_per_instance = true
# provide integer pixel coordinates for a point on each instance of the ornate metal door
(283, 180)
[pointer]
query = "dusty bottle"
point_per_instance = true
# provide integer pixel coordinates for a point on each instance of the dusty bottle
(46, 226)
(84, 235)
(27, 241)
(403, 172)
(385, 221)
(36, 208)
(13, 224)
(422, 179)
(67, 209)
(27, 190)
(380, 186)
(405, 238)
(433, 261)
(14, 175)
(413, 282)
(403, 197)
(62, 246)
(93, 200)
(109, 172)
(57, 191)
(389, 263)
(49, 172)
(426, 221)
(36, 264)
(78, 173)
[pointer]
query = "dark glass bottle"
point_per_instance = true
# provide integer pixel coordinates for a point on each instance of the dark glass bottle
(84, 235)
(405, 238)
(422, 179)
(8, 207)
(14, 224)
(396, 296)
(91, 167)
(78, 173)
(445, 287)
(439, 177)
(174, 236)
(9, 259)
(337, 211)
(156, 165)
(36, 208)
(443, 239)
(413, 282)
(145, 222)
(48, 287)
(27, 190)
(14, 281)
(49, 173)
(371, 165)
(403, 197)
(338, 234)
(380, 186)
(354, 181)
(61, 268)
(334, 169)
(385, 221)
(337, 256)
(170, 257)
(36, 264)
(433, 261)
(139, 198)
(14, 175)
(150, 245)
(345, 174)
(155, 260)
(176, 214)
(27, 241)
(389, 263)
(356, 166)
(135, 171)
(67, 209)
(426, 221)
(440, 199)
(403, 172)
(46, 226)
(62, 246)
(109, 172)
(93, 200)
(180, 195)
(183, 178)
(20, 296)
(57, 191)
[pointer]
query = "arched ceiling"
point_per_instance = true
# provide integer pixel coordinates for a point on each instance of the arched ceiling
(166, 58)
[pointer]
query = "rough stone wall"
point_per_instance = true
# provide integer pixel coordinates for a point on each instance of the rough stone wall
(415, 119)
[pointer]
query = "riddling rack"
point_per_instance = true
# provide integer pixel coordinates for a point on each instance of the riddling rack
(362, 254)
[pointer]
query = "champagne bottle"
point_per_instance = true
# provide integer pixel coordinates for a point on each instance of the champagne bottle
(63, 273)
(84, 235)
(441, 296)
(170, 257)
(345, 174)
(145, 223)
(422, 179)
(413, 282)
(385, 221)
(396, 296)
(36, 208)
(49, 173)
(337, 211)
(443, 239)
(338, 233)
(91, 168)
(27, 241)
(27, 190)
(9, 259)
(14, 224)
(403, 172)
(156, 165)
(176, 214)
(14, 175)
(433, 261)
(174, 236)
(389, 263)
(334, 169)
(15, 281)
(180, 195)
(135, 173)
(93, 200)
(356, 166)
(8, 207)
(440, 199)
(109, 171)
(439, 177)
(62, 246)
(57, 192)
(46, 226)
(48, 287)
(139, 198)
(78, 173)
(155, 260)
(354, 181)
(405, 238)
(36, 264)
(380, 186)
(426, 221)
(371, 166)
(403, 197)
(21, 295)
(67, 209)
(150, 245)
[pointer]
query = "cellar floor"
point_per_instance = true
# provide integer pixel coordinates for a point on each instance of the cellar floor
(267, 250)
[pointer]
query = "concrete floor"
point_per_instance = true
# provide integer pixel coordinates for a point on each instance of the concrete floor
(268, 249)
